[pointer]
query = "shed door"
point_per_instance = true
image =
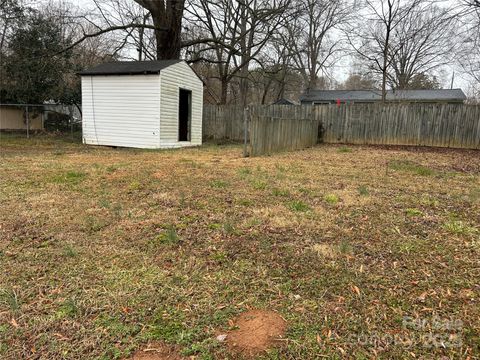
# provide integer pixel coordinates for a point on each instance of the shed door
(184, 115)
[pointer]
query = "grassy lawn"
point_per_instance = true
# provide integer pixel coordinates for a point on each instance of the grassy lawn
(103, 250)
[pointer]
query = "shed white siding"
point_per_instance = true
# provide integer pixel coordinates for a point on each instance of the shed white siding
(140, 110)
(121, 110)
(173, 78)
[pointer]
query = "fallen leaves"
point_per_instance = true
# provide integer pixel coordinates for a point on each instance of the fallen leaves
(14, 323)
(356, 290)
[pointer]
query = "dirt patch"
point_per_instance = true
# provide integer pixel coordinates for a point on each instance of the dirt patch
(257, 331)
(325, 250)
(157, 351)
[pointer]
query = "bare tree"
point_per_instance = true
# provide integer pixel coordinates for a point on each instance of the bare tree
(469, 56)
(276, 78)
(309, 36)
(371, 37)
(166, 22)
(422, 42)
(238, 31)
(133, 20)
(357, 81)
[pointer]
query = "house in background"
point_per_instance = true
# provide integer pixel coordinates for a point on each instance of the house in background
(143, 104)
(449, 96)
(284, 101)
(14, 118)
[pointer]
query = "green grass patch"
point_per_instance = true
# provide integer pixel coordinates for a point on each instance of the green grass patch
(459, 227)
(94, 224)
(70, 251)
(230, 229)
(69, 308)
(344, 149)
(103, 272)
(219, 184)
(9, 300)
(135, 185)
(411, 167)
(111, 168)
(244, 172)
(331, 199)
(363, 190)
(408, 246)
(298, 206)
(245, 202)
(70, 177)
(413, 212)
(345, 247)
(191, 163)
(280, 192)
(169, 236)
(259, 184)
(215, 226)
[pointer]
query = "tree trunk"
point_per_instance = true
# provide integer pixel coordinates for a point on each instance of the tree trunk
(224, 89)
(167, 17)
(385, 50)
(245, 57)
(168, 44)
(140, 44)
(244, 86)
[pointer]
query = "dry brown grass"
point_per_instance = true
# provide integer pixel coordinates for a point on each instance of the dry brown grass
(105, 250)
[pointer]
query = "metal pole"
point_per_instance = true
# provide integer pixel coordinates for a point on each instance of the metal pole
(28, 123)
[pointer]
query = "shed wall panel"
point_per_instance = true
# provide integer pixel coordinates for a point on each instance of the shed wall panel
(121, 110)
(176, 77)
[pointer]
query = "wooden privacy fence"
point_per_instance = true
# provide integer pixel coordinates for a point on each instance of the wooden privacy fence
(268, 134)
(441, 125)
(223, 122)
(226, 122)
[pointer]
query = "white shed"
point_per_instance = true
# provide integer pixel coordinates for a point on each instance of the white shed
(142, 104)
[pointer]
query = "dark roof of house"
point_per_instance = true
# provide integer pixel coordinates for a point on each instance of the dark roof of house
(376, 95)
(284, 101)
(130, 67)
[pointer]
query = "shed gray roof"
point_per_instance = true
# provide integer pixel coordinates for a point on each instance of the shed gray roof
(130, 67)
(376, 95)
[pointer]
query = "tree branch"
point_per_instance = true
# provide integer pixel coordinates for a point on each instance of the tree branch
(110, 29)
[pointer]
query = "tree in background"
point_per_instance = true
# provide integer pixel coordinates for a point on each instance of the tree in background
(33, 64)
(133, 22)
(422, 81)
(309, 37)
(358, 81)
(12, 13)
(238, 32)
(469, 56)
(251, 51)
(372, 37)
(422, 42)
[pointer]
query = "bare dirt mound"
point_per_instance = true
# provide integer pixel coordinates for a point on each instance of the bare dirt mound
(258, 330)
(157, 351)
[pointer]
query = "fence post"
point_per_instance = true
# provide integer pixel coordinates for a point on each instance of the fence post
(28, 122)
(70, 112)
(245, 132)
